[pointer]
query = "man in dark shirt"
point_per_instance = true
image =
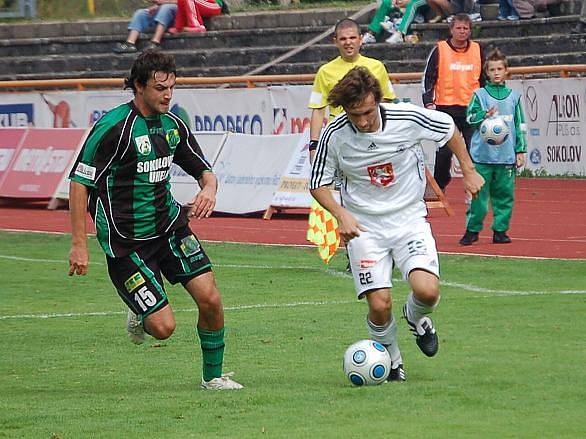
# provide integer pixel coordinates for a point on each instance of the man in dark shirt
(452, 73)
(122, 175)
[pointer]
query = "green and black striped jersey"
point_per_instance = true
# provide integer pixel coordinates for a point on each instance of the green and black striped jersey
(125, 164)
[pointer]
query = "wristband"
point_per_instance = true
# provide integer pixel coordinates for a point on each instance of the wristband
(313, 145)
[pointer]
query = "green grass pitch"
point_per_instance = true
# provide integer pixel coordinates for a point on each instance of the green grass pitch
(510, 365)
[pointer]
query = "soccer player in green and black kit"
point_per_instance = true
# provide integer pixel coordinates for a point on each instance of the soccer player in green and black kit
(123, 168)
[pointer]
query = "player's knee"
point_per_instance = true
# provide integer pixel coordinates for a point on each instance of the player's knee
(429, 295)
(161, 330)
(210, 302)
(380, 305)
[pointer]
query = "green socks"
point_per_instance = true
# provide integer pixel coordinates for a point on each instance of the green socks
(212, 348)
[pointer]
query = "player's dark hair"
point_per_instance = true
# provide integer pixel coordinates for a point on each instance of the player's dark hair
(461, 18)
(354, 87)
(145, 66)
(495, 55)
(345, 23)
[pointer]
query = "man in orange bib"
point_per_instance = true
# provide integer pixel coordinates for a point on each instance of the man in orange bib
(452, 73)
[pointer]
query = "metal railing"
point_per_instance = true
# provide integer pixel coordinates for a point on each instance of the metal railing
(563, 71)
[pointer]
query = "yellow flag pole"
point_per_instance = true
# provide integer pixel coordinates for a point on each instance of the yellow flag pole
(91, 7)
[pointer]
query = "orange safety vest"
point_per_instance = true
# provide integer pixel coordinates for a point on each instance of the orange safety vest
(458, 74)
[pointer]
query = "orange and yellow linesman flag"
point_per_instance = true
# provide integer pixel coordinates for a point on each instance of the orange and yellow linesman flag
(323, 231)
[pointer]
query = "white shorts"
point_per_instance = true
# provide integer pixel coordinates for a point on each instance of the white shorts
(373, 252)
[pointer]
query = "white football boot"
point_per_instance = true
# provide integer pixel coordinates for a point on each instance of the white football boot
(134, 328)
(225, 382)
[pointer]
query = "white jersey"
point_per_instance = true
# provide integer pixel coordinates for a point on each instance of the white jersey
(383, 173)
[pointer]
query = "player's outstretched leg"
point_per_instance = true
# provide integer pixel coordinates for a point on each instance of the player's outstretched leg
(135, 328)
(416, 315)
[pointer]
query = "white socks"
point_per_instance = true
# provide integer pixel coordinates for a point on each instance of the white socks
(387, 336)
(416, 309)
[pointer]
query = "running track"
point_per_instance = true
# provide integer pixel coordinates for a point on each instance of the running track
(546, 223)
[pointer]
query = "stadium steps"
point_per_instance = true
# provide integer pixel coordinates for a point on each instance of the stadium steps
(236, 44)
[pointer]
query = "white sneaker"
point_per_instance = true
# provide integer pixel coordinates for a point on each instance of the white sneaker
(395, 38)
(387, 25)
(475, 16)
(368, 38)
(134, 328)
(225, 382)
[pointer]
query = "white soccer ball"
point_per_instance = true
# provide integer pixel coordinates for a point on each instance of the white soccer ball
(494, 130)
(367, 363)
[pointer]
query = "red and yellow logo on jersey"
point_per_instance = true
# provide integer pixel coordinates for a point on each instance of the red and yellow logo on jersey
(381, 175)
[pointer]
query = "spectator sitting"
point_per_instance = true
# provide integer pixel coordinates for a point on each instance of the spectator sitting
(159, 16)
(190, 14)
(386, 9)
(531, 8)
(507, 11)
(447, 8)
(413, 8)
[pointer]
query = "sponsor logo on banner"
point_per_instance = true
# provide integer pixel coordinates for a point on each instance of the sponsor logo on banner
(564, 153)
(47, 160)
(531, 103)
(5, 157)
(299, 124)
(279, 120)
(535, 156)
(16, 115)
(237, 123)
(564, 115)
(61, 113)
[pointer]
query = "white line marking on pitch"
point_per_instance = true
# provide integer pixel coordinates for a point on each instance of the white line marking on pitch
(490, 293)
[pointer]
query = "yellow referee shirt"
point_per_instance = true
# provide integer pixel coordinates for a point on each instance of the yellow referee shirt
(330, 73)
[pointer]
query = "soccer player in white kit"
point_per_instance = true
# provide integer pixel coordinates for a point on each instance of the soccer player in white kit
(376, 148)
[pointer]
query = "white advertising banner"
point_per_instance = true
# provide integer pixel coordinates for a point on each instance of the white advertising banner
(249, 169)
(183, 186)
(247, 111)
(293, 189)
(290, 112)
(555, 112)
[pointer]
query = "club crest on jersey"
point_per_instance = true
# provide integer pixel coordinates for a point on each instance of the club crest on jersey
(143, 144)
(173, 138)
(381, 175)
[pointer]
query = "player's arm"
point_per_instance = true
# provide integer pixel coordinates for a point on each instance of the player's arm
(473, 181)
(429, 79)
(204, 202)
(78, 254)
(322, 176)
(348, 225)
(315, 125)
(520, 140)
(475, 114)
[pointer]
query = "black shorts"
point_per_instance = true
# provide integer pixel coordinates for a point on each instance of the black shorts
(178, 256)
